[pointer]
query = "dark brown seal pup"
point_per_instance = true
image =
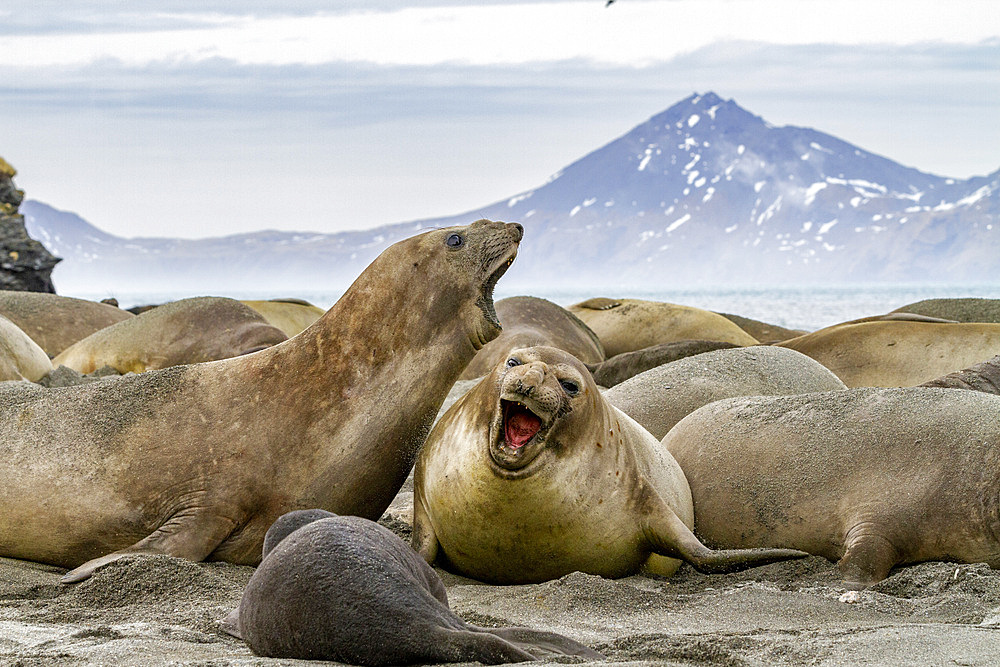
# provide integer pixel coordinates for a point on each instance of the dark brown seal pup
(56, 322)
(872, 478)
(532, 475)
(528, 321)
(187, 331)
(346, 589)
(198, 461)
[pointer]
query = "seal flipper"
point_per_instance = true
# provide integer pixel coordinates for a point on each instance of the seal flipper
(231, 624)
(191, 536)
(868, 557)
(544, 645)
(670, 537)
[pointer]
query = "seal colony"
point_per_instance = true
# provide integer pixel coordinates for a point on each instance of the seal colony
(198, 461)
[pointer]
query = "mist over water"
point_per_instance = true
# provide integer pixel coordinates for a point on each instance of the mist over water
(796, 307)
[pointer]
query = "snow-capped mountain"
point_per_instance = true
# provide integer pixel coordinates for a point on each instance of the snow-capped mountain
(702, 193)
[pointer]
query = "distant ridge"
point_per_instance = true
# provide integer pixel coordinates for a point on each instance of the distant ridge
(704, 193)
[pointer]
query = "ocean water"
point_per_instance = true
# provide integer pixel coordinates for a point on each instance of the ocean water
(795, 307)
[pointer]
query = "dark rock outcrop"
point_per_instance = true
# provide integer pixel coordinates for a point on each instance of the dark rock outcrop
(25, 264)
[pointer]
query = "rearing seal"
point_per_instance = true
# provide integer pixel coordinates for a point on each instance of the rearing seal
(533, 475)
(197, 461)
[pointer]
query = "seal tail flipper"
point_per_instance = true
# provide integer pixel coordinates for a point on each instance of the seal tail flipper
(190, 536)
(544, 645)
(473, 645)
(231, 624)
(669, 536)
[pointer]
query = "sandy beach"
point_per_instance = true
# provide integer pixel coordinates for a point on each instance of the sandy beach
(158, 610)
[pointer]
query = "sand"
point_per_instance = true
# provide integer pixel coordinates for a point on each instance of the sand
(158, 610)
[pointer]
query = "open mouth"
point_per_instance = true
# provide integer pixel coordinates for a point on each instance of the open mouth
(520, 429)
(486, 303)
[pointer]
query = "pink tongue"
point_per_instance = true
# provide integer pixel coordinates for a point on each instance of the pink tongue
(520, 427)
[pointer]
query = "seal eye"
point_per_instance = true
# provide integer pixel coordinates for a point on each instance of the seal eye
(570, 387)
(455, 241)
(513, 362)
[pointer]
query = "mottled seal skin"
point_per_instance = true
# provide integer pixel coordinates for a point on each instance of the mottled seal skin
(897, 353)
(626, 325)
(621, 367)
(56, 322)
(869, 477)
(346, 589)
(968, 309)
(187, 331)
(20, 357)
(198, 461)
(661, 397)
(984, 377)
(292, 316)
(529, 321)
(533, 475)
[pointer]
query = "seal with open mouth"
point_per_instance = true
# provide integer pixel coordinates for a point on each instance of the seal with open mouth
(532, 475)
(198, 461)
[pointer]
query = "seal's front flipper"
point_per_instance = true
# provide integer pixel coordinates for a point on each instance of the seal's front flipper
(868, 557)
(544, 645)
(669, 536)
(190, 536)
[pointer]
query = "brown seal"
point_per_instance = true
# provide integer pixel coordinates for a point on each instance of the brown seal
(290, 315)
(187, 331)
(661, 397)
(529, 321)
(20, 357)
(983, 376)
(533, 475)
(872, 478)
(765, 332)
(626, 325)
(623, 366)
(897, 353)
(197, 461)
(56, 322)
(967, 309)
(346, 589)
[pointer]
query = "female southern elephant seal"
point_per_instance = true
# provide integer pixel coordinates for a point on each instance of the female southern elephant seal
(186, 331)
(197, 461)
(532, 475)
(872, 477)
(56, 322)
(662, 396)
(983, 376)
(626, 325)
(20, 357)
(346, 589)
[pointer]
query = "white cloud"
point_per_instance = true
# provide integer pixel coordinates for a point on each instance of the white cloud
(631, 32)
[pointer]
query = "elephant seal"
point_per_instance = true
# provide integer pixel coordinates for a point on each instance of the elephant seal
(621, 367)
(661, 397)
(959, 309)
(187, 331)
(533, 475)
(198, 461)
(626, 325)
(20, 357)
(764, 332)
(869, 477)
(984, 376)
(529, 321)
(56, 322)
(346, 589)
(290, 315)
(897, 353)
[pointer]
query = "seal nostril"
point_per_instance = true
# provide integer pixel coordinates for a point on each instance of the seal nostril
(518, 230)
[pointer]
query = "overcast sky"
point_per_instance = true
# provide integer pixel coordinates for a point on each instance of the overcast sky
(172, 118)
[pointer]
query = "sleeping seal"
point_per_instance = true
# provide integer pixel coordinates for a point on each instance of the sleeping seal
(532, 475)
(346, 589)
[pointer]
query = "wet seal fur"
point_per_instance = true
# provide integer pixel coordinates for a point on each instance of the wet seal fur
(532, 475)
(346, 589)
(198, 461)
(872, 478)
(186, 331)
